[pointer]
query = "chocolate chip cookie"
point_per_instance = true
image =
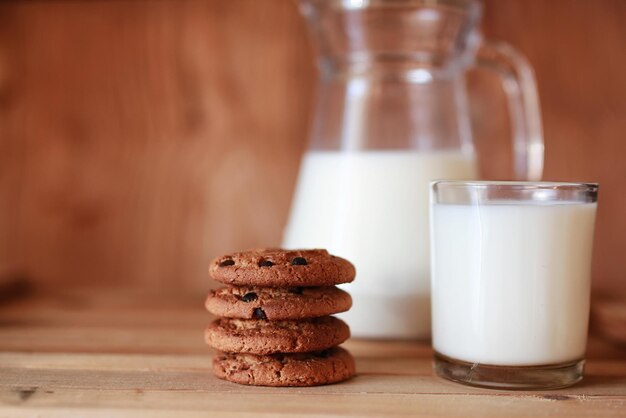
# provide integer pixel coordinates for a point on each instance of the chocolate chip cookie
(277, 303)
(258, 336)
(282, 268)
(308, 369)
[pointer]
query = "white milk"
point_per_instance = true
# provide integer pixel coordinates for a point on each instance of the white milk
(371, 207)
(511, 281)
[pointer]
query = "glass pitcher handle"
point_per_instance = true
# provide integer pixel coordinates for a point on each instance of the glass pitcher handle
(518, 82)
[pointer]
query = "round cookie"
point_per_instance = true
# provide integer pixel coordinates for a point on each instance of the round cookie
(277, 303)
(282, 268)
(307, 369)
(268, 337)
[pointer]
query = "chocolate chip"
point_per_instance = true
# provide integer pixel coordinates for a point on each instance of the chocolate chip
(296, 290)
(279, 357)
(265, 263)
(324, 353)
(259, 314)
(227, 263)
(249, 297)
(299, 261)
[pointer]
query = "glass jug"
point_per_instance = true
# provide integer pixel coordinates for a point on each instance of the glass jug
(391, 116)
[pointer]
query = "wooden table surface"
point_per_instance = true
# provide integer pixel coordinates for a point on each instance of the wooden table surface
(103, 353)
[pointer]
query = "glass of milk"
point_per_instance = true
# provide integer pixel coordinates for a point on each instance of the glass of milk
(511, 267)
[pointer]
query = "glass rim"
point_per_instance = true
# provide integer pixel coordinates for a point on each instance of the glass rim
(516, 185)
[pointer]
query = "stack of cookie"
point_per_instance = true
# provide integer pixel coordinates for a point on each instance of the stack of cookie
(275, 327)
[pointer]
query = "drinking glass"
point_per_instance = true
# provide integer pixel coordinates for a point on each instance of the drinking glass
(511, 265)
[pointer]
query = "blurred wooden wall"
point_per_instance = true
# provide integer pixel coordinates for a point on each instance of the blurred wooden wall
(139, 138)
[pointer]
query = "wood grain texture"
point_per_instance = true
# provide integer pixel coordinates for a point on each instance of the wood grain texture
(86, 352)
(139, 138)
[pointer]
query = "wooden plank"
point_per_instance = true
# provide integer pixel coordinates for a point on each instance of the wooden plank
(385, 385)
(316, 402)
(401, 365)
(118, 354)
(183, 372)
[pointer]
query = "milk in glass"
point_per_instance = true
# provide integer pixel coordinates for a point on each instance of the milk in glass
(511, 281)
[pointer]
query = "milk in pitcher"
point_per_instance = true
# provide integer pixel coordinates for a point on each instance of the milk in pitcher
(372, 207)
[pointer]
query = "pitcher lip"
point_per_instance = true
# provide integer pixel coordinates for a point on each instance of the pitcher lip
(439, 35)
(363, 4)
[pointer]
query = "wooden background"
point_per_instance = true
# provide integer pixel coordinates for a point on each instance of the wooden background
(139, 138)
